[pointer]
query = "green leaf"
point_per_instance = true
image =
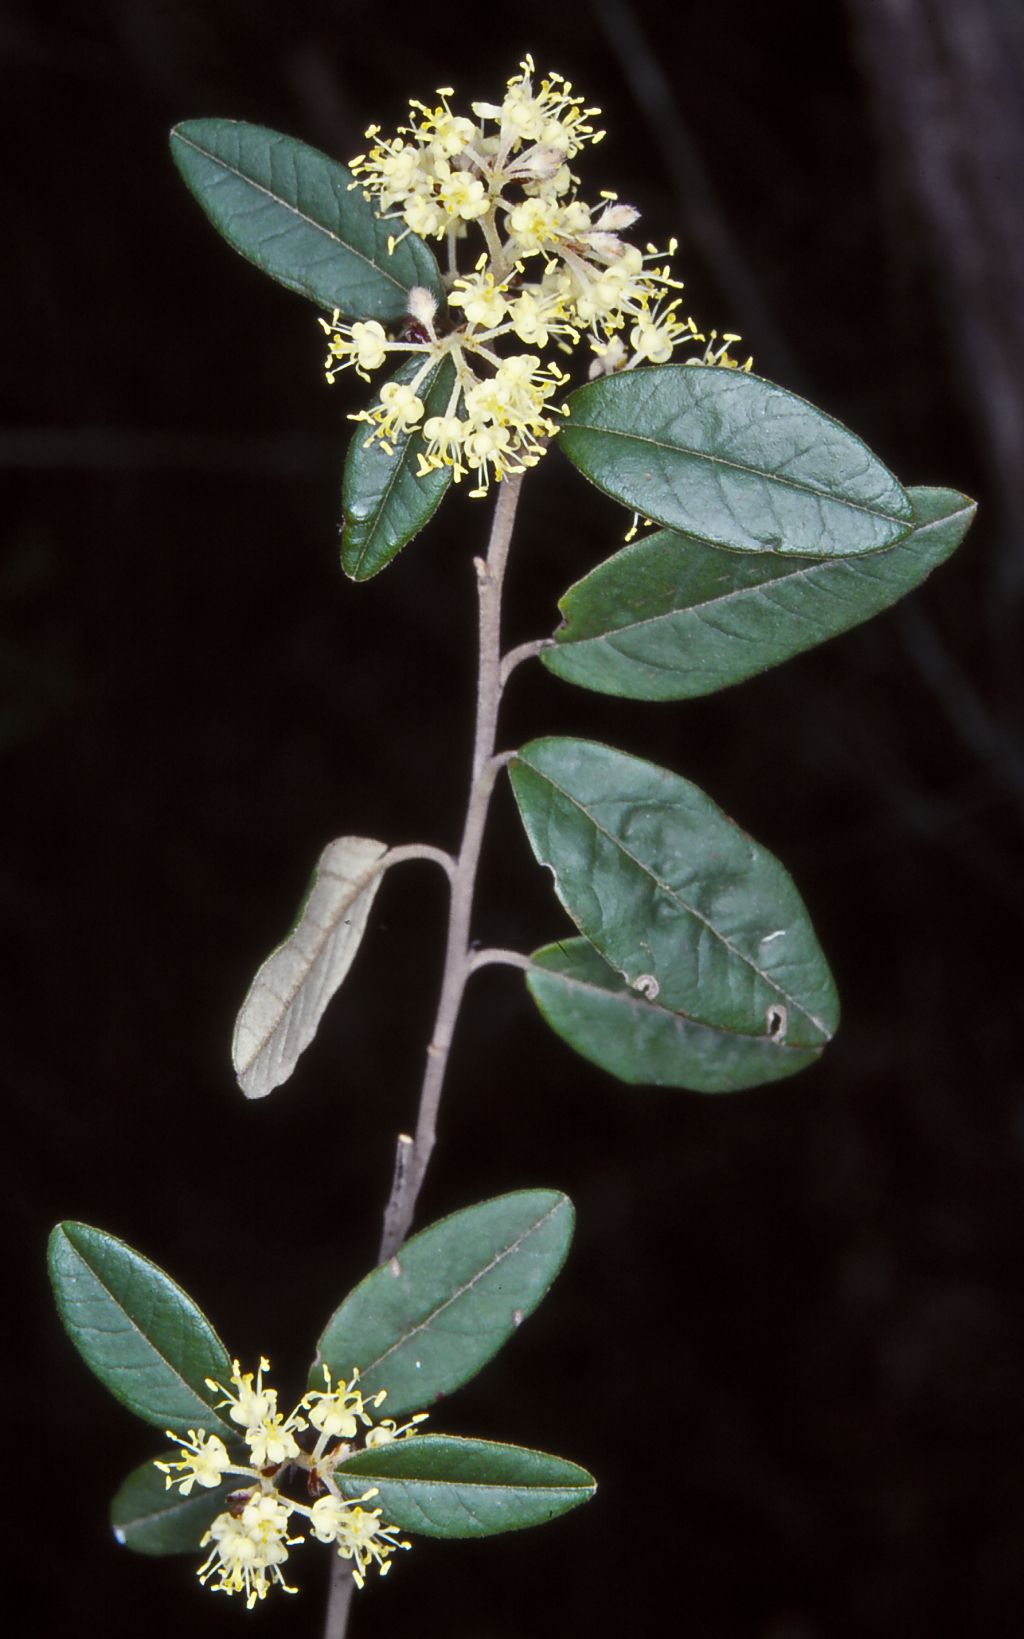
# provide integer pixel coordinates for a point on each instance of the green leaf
(384, 501)
(674, 895)
(425, 1323)
(592, 1008)
(297, 215)
(444, 1487)
(151, 1519)
(734, 460)
(287, 999)
(672, 616)
(139, 1332)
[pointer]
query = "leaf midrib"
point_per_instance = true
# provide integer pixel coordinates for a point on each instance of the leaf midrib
(753, 472)
(467, 1287)
(328, 932)
(758, 589)
(287, 205)
(689, 909)
(389, 487)
(160, 1516)
(137, 1329)
(631, 999)
(754, 590)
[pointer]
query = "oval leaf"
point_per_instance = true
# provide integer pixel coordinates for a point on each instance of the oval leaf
(384, 500)
(287, 998)
(151, 1519)
(671, 616)
(734, 460)
(445, 1487)
(302, 218)
(138, 1331)
(424, 1324)
(674, 895)
(592, 1008)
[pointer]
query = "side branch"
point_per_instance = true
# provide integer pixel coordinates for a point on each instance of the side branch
(509, 958)
(525, 651)
(419, 850)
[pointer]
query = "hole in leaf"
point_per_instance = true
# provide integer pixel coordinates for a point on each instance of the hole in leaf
(776, 1020)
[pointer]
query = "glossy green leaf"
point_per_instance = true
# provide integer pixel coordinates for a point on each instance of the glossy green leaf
(443, 1487)
(592, 1008)
(673, 895)
(672, 616)
(139, 1332)
(423, 1324)
(385, 502)
(151, 1519)
(734, 460)
(294, 212)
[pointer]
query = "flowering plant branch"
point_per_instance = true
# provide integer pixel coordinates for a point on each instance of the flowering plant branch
(693, 964)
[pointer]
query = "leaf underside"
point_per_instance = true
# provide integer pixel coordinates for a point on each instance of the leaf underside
(288, 997)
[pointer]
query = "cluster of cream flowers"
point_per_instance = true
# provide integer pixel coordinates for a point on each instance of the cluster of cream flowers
(250, 1542)
(444, 171)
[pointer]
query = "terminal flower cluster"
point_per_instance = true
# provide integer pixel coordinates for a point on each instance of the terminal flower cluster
(554, 272)
(250, 1542)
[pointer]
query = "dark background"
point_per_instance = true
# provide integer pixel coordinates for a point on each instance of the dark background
(788, 1340)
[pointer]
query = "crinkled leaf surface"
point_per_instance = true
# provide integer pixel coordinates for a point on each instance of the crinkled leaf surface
(734, 460)
(444, 1487)
(287, 998)
(425, 1323)
(138, 1331)
(592, 1008)
(668, 889)
(384, 501)
(294, 212)
(672, 616)
(151, 1519)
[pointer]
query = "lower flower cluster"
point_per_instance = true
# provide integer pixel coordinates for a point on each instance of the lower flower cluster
(249, 1543)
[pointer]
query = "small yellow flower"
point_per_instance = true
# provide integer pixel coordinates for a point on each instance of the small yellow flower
(358, 1532)
(397, 413)
(444, 435)
(425, 216)
(248, 1406)
(272, 1441)
(338, 1412)
(205, 1461)
(382, 1434)
(248, 1546)
(461, 195)
(720, 355)
(483, 302)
